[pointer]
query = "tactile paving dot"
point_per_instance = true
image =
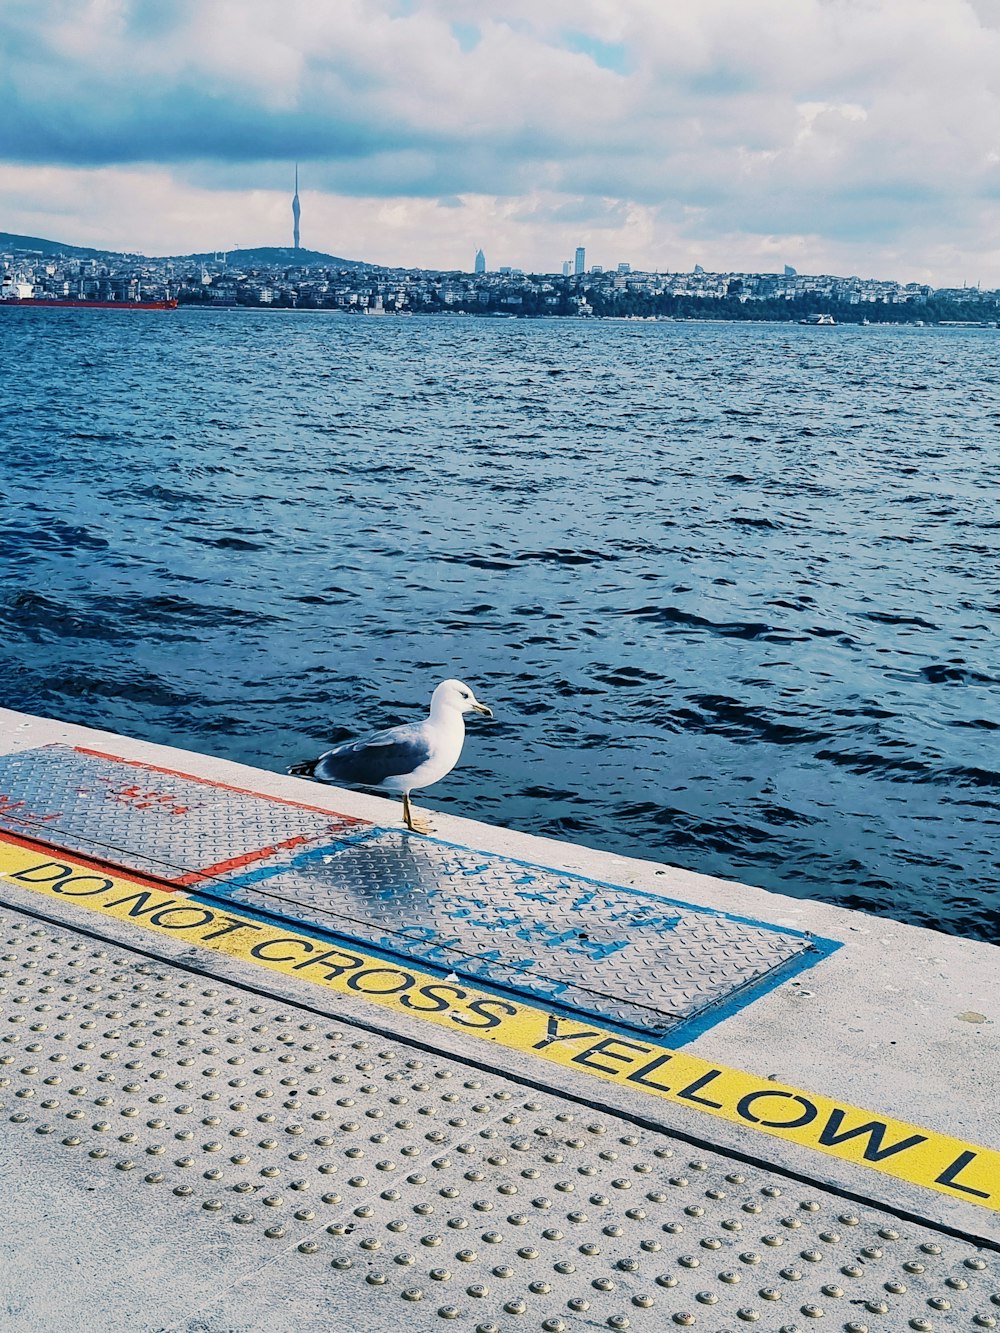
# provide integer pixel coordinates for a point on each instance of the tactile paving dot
(440, 1193)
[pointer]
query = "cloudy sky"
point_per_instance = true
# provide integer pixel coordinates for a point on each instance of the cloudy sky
(844, 136)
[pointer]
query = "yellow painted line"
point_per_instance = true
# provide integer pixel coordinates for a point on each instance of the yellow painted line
(893, 1147)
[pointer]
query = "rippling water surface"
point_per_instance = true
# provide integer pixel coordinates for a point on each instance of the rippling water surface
(732, 590)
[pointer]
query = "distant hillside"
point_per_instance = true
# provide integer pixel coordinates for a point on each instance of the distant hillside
(261, 256)
(38, 245)
(271, 256)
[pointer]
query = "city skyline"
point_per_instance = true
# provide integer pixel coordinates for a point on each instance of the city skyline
(845, 136)
(14, 257)
(31, 267)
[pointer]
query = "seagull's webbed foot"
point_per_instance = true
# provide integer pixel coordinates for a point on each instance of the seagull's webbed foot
(415, 823)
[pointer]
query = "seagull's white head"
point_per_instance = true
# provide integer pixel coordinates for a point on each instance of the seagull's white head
(454, 696)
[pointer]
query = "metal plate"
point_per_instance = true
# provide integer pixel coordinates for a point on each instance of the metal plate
(616, 953)
(355, 1183)
(603, 949)
(143, 818)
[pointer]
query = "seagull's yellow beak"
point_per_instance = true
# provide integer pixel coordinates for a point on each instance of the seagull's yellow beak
(477, 707)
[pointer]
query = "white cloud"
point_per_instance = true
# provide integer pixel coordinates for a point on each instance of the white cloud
(833, 133)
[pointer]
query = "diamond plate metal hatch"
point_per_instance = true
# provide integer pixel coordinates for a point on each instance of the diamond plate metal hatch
(165, 824)
(619, 954)
(610, 951)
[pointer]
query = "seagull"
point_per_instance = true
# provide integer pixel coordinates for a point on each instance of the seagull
(402, 759)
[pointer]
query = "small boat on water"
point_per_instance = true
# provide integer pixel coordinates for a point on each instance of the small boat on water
(818, 319)
(81, 303)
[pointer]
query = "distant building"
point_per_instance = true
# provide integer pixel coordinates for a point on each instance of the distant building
(624, 268)
(505, 270)
(567, 267)
(580, 263)
(790, 272)
(296, 211)
(597, 268)
(480, 262)
(698, 269)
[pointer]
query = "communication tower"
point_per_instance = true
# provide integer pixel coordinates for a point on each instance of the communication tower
(296, 211)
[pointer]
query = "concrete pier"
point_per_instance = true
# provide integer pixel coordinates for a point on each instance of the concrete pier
(268, 1061)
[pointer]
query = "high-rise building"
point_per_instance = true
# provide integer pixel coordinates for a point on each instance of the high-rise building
(567, 267)
(624, 268)
(790, 272)
(480, 262)
(580, 263)
(296, 211)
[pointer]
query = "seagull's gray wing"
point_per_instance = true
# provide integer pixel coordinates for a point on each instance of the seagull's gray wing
(368, 763)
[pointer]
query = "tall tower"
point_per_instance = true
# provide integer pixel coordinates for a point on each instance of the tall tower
(296, 211)
(480, 262)
(580, 260)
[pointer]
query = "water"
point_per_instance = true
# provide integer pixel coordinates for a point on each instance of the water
(732, 590)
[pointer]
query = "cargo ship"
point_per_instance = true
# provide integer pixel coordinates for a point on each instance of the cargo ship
(81, 303)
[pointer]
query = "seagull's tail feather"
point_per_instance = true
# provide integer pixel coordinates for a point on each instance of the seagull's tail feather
(306, 769)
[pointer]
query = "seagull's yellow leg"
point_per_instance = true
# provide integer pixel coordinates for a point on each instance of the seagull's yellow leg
(415, 825)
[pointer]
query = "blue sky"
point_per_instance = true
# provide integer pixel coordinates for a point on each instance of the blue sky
(847, 136)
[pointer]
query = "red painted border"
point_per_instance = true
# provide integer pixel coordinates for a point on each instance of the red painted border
(192, 877)
(89, 862)
(246, 859)
(224, 786)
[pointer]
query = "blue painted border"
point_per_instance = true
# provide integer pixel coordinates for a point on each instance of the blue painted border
(819, 948)
(816, 950)
(376, 830)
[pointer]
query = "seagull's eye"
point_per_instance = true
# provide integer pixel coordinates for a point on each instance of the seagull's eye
(466, 695)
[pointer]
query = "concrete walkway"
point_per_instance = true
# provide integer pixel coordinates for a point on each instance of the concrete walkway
(850, 1065)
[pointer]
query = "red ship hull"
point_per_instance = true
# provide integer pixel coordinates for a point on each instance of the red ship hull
(77, 304)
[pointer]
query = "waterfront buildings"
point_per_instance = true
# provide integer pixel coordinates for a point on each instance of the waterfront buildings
(297, 278)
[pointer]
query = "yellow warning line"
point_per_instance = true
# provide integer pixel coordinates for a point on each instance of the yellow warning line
(919, 1156)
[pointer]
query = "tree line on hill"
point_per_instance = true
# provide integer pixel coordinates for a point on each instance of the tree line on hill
(774, 309)
(933, 310)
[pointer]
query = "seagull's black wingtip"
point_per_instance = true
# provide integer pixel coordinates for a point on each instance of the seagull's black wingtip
(306, 769)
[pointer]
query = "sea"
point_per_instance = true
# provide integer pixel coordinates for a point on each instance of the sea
(732, 590)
